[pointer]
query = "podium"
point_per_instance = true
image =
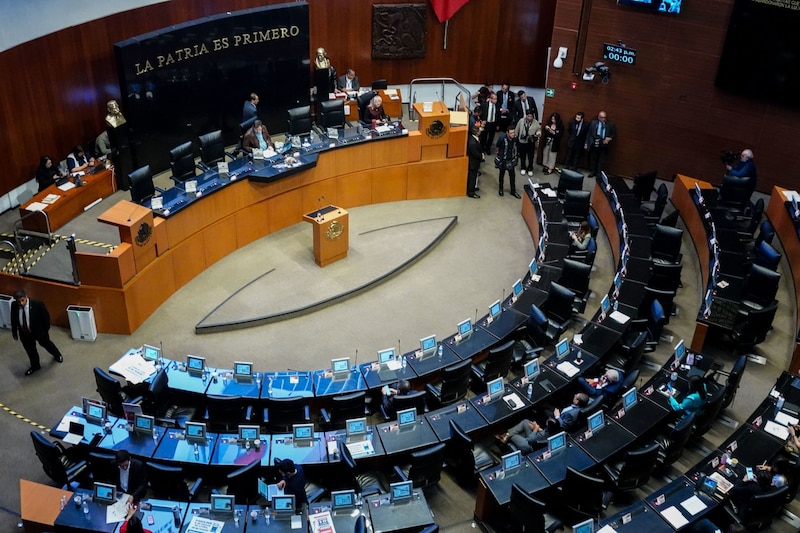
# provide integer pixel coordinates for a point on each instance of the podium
(331, 234)
(135, 225)
(434, 122)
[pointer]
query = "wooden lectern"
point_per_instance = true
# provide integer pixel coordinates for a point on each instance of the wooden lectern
(135, 225)
(331, 234)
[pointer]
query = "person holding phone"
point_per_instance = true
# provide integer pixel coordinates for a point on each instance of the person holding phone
(693, 401)
(402, 388)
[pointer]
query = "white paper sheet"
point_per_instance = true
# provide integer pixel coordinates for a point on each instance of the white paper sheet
(674, 516)
(693, 505)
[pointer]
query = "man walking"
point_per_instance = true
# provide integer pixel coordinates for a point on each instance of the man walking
(601, 133)
(30, 323)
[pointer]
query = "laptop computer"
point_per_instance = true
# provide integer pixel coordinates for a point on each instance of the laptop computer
(75, 433)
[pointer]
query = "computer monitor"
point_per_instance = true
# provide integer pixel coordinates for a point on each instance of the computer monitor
(533, 266)
(495, 309)
(562, 348)
(341, 367)
(385, 356)
(222, 503)
(401, 491)
(517, 288)
(303, 434)
(242, 370)
(587, 526)
(617, 282)
(557, 442)
(95, 413)
(143, 424)
(708, 299)
(596, 422)
(428, 345)
(151, 353)
(698, 192)
(795, 209)
(356, 428)
(542, 246)
(195, 364)
(604, 178)
(605, 304)
(629, 399)
(532, 370)
(248, 433)
(511, 462)
(465, 328)
(343, 499)
(680, 351)
(86, 402)
(407, 417)
(283, 505)
(495, 389)
(104, 493)
(195, 432)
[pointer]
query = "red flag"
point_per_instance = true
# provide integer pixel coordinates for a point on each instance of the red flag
(445, 9)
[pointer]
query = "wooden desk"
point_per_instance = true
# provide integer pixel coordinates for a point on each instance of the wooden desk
(40, 505)
(71, 203)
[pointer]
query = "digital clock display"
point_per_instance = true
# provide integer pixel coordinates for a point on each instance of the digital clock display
(620, 54)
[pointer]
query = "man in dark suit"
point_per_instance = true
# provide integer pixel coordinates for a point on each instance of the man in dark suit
(30, 323)
(348, 83)
(522, 105)
(131, 476)
(505, 106)
(576, 131)
(490, 114)
(250, 109)
(475, 155)
(601, 133)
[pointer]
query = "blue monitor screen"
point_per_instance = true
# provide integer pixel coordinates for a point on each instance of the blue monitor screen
(196, 430)
(221, 503)
(556, 442)
(532, 266)
(709, 297)
(195, 363)
(494, 309)
(401, 491)
(303, 431)
(562, 348)
(587, 526)
(284, 503)
(517, 287)
(357, 425)
(407, 416)
(596, 421)
(150, 353)
(143, 422)
(617, 281)
(344, 498)
(794, 204)
(495, 388)
(384, 356)
(248, 432)
(512, 460)
(605, 303)
(428, 343)
(104, 492)
(341, 365)
(532, 369)
(629, 399)
(96, 411)
(680, 350)
(243, 369)
(464, 327)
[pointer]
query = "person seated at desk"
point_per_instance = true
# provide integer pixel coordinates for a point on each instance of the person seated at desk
(402, 388)
(348, 83)
(694, 401)
(528, 434)
(765, 478)
(131, 476)
(47, 173)
(102, 145)
(608, 384)
(793, 440)
(257, 137)
(745, 167)
(579, 240)
(374, 111)
(293, 481)
(77, 161)
(132, 523)
(569, 416)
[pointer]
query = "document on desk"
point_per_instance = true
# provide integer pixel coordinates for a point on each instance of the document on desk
(204, 525)
(117, 512)
(620, 317)
(550, 193)
(50, 199)
(63, 426)
(693, 505)
(723, 485)
(133, 368)
(607, 529)
(36, 206)
(567, 368)
(321, 522)
(782, 432)
(674, 516)
(360, 448)
(785, 419)
(66, 186)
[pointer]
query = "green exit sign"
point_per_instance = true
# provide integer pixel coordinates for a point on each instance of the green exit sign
(550, 93)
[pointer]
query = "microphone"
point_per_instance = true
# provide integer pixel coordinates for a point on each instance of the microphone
(399, 351)
(476, 316)
(437, 95)
(132, 212)
(503, 299)
(161, 352)
(356, 358)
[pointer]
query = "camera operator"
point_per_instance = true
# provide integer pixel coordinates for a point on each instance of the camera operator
(745, 167)
(528, 132)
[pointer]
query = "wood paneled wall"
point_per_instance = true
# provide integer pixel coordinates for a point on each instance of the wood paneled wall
(55, 88)
(669, 115)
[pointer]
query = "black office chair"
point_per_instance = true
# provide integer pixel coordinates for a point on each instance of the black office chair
(666, 244)
(361, 524)
(496, 365)
(576, 206)
(656, 321)
(281, 413)
(665, 298)
(634, 470)
(454, 383)
(705, 418)
(169, 483)
(765, 232)
(110, 390)
(734, 193)
(673, 442)
(580, 496)
(243, 483)
(157, 402)
(181, 162)
(759, 512)
(463, 457)
(378, 85)
(575, 277)
(102, 466)
(62, 469)
(331, 114)
(766, 256)
(760, 287)
(425, 468)
(142, 187)
(526, 514)
(652, 213)
(212, 150)
(569, 180)
(751, 327)
(629, 351)
(747, 222)
(299, 120)
(665, 276)
(594, 224)
(732, 380)
(558, 310)
(535, 330)
(365, 483)
(224, 414)
(415, 399)
(644, 184)
(343, 408)
(670, 220)
(585, 256)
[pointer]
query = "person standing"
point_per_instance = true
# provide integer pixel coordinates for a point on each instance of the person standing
(528, 132)
(489, 117)
(131, 476)
(576, 137)
(553, 131)
(250, 109)
(507, 160)
(293, 481)
(505, 104)
(601, 133)
(475, 155)
(521, 106)
(30, 323)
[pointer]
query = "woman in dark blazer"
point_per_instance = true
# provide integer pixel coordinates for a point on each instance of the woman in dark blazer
(551, 133)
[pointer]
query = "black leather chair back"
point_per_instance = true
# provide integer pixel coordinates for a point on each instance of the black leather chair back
(426, 466)
(498, 362)
(212, 148)
(331, 114)
(141, 181)
(643, 185)
(734, 379)
(569, 180)
(637, 466)
(224, 413)
(50, 455)
(673, 446)
(559, 303)
(284, 412)
(110, 391)
(576, 205)
(156, 401)
(704, 418)
(575, 277)
(762, 508)
(455, 382)
(415, 399)
(167, 482)
(347, 406)
(761, 285)
(299, 121)
(666, 243)
(103, 466)
(525, 513)
(181, 162)
(751, 328)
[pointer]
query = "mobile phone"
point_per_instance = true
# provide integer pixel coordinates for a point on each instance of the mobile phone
(386, 389)
(150, 520)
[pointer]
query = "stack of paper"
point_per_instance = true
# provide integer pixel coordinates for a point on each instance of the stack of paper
(567, 368)
(673, 515)
(50, 199)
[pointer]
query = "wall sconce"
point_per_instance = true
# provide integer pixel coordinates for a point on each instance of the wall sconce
(562, 55)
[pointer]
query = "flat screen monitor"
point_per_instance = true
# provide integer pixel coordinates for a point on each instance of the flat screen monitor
(557, 442)
(248, 433)
(680, 351)
(517, 287)
(303, 434)
(709, 299)
(195, 364)
(605, 304)
(95, 413)
(698, 192)
(596, 422)
(242, 370)
(384, 356)
(401, 491)
(143, 424)
(511, 462)
(672, 7)
(495, 388)
(428, 345)
(587, 526)
(341, 366)
(343, 499)
(532, 370)
(86, 402)
(104, 493)
(283, 505)
(465, 328)
(222, 503)
(629, 399)
(542, 246)
(495, 309)
(562, 348)
(151, 353)
(406, 417)
(533, 267)
(604, 178)
(263, 489)
(196, 432)
(356, 428)
(617, 282)
(795, 209)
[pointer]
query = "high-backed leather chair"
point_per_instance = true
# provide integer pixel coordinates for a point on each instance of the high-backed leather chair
(181, 162)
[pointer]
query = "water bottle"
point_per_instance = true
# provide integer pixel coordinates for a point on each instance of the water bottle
(673, 377)
(155, 436)
(616, 305)
(269, 387)
(404, 362)
(63, 502)
(441, 351)
(85, 506)
(196, 450)
(530, 390)
(779, 404)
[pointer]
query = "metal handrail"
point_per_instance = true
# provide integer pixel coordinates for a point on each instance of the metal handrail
(443, 82)
(18, 226)
(16, 253)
